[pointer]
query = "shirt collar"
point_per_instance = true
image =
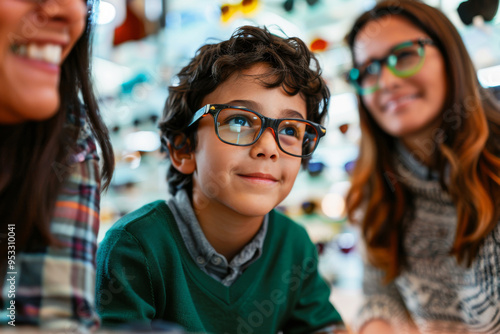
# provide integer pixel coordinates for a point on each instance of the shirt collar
(200, 249)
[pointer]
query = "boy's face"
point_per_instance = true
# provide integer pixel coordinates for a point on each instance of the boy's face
(246, 180)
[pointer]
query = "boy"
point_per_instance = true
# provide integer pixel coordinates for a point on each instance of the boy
(216, 257)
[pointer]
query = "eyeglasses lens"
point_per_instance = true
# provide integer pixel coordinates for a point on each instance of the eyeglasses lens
(238, 127)
(403, 62)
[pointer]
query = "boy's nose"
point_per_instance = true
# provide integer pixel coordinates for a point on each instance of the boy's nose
(266, 146)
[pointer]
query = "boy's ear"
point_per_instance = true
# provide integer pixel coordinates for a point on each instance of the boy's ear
(182, 158)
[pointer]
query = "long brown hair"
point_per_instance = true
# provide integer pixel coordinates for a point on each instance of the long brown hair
(35, 156)
(469, 146)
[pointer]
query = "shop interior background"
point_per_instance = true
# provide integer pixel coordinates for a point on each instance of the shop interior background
(139, 45)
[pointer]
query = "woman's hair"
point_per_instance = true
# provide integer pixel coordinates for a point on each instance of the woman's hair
(291, 66)
(469, 146)
(35, 157)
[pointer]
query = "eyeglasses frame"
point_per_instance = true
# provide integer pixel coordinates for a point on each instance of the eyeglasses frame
(267, 123)
(354, 73)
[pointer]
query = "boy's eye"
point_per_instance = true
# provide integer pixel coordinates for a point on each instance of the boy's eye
(238, 121)
(289, 131)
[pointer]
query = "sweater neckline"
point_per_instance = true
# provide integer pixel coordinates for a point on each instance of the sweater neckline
(409, 160)
(200, 248)
(228, 295)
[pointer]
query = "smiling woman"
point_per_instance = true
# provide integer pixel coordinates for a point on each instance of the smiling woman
(49, 174)
(34, 40)
(427, 176)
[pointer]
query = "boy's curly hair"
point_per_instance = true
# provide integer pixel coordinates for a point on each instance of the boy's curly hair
(291, 66)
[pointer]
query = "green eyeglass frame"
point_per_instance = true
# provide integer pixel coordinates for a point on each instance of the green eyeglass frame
(403, 60)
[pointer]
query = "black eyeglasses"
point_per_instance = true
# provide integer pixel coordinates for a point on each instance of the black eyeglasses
(240, 126)
(403, 60)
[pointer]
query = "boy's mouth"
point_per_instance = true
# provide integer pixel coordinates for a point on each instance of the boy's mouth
(50, 53)
(261, 176)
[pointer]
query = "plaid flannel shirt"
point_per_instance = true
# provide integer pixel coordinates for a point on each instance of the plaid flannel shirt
(55, 287)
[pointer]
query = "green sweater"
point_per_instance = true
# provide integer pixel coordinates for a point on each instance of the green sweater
(145, 273)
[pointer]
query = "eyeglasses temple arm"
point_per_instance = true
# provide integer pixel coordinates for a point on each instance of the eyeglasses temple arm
(322, 131)
(197, 115)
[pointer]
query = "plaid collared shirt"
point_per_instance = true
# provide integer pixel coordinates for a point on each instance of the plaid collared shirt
(54, 287)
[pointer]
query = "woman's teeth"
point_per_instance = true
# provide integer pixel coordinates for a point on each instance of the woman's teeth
(396, 103)
(50, 53)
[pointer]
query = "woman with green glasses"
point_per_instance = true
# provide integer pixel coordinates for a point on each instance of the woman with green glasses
(426, 186)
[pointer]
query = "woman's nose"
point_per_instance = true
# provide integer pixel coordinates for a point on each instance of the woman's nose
(387, 79)
(67, 11)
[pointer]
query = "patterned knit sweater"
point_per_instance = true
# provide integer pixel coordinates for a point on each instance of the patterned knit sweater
(438, 294)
